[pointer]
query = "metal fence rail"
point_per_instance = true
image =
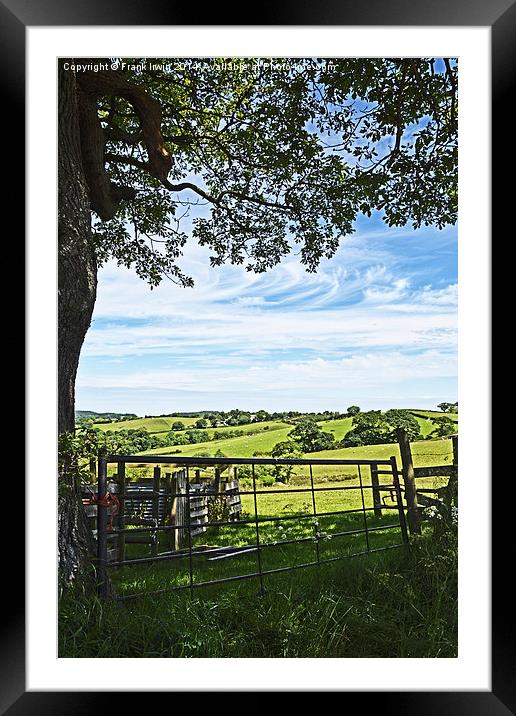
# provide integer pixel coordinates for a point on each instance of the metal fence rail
(257, 545)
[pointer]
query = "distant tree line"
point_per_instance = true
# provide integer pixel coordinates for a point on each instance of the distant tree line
(218, 418)
(139, 440)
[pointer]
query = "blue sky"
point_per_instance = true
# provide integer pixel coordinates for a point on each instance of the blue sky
(376, 326)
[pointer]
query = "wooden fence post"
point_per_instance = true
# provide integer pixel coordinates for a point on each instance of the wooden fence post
(375, 482)
(216, 483)
(102, 577)
(155, 508)
(413, 516)
(121, 511)
(174, 534)
(452, 491)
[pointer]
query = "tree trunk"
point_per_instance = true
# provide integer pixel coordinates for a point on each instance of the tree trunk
(77, 287)
(77, 271)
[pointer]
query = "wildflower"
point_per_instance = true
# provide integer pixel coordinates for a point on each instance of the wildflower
(283, 536)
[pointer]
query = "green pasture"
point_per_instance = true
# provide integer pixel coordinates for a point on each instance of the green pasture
(398, 603)
(374, 598)
(244, 446)
(424, 452)
(435, 414)
(151, 425)
(284, 517)
(339, 427)
(164, 425)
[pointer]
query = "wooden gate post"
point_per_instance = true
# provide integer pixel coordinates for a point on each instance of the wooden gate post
(167, 505)
(216, 483)
(102, 578)
(155, 508)
(174, 534)
(375, 482)
(413, 516)
(121, 511)
(451, 495)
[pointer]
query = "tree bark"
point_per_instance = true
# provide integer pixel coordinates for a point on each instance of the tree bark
(83, 185)
(77, 287)
(77, 272)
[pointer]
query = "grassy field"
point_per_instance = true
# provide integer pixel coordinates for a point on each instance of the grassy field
(339, 428)
(425, 452)
(244, 446)
(394, 604)
(436, 414)
(285, 516)
(161, 426)
(397, 602)
(151, 425)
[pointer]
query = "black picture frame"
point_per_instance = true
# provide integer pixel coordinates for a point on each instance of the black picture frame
(500, 16)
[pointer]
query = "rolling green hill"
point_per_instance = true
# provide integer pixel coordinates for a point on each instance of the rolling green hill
(79, 414)
(435, 414)
(340, 427)
(424, 452)
(337, 427)
(244, 446)
(163, 425)
(152, 425)
(262, 437)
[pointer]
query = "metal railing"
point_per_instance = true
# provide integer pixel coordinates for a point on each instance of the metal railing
(257, 545)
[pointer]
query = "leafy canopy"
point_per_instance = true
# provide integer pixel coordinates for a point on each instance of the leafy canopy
(374, 427)
(267, 155)
(310, 438)
(444, 426)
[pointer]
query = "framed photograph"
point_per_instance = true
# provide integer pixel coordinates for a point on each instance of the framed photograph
(303, 58)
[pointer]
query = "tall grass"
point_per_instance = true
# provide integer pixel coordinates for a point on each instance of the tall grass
(401, 603)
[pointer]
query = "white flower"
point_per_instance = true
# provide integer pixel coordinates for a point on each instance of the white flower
(431, 512)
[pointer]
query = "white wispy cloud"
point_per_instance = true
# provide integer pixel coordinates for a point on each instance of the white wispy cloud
(365, 321)
(345, 375)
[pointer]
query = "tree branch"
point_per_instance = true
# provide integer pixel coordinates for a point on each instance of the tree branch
(104, 196)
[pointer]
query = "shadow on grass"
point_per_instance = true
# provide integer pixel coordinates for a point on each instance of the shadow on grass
(232, 552)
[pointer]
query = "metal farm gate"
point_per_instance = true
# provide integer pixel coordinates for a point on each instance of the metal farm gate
(176, 506)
